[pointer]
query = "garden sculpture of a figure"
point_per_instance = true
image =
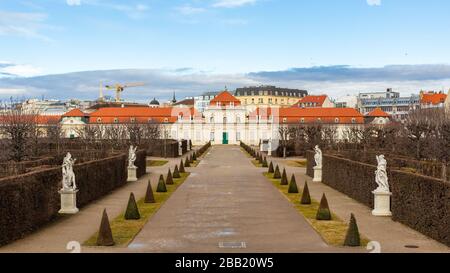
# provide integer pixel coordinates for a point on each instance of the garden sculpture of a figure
(381, 177)
(318, 156)
(68, 181)
(132, 156)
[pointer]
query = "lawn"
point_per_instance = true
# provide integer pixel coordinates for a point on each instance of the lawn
(296, 163)
(123, 230)
(156, 163)
(333, 232)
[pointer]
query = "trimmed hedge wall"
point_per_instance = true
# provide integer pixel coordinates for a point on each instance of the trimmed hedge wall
(31, 200)
(141, 162)
(310, 163)
(422, 203)
(355, 179)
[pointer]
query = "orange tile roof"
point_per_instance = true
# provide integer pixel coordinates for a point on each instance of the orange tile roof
(75, 113)
(224, 99)
(310, 115)
(377, 112)
(48, 119)
(141, 114)
(319, 100)
(432, 98)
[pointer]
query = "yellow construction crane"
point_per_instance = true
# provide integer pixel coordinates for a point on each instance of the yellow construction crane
(119, 88)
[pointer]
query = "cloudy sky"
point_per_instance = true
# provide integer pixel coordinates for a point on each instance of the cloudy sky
(65, 48)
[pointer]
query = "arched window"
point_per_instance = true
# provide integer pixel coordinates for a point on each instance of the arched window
(99, 120)
(211, 119)
(224, 120)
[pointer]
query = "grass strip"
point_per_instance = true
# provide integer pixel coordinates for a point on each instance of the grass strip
(333, 232)
(123, 230)
(156, 163)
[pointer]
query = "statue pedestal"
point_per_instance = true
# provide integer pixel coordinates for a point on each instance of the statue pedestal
(132, 175)
(317, 174)
(382, 203)
(68, 201)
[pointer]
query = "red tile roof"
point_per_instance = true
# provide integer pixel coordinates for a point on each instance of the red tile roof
(48, 119)
(141, 114)
(311, 115)
(377, 112)
(432, 98)
(225, 98)
(75, 113)
(318, 100)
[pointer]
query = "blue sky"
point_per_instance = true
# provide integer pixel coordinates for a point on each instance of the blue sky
(230, 38)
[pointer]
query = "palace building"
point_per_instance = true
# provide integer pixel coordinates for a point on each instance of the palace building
(224, 121)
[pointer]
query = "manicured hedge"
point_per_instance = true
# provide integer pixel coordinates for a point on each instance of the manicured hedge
(310, 163)
(31, 200)
(141, 162)
(355, 179)
(422, 203)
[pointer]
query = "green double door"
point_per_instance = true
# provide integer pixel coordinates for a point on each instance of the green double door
(225, 138)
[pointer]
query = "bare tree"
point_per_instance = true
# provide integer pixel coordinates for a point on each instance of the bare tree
(283, 131)
(19, 127)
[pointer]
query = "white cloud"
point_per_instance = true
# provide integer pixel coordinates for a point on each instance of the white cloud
(73, 2)
(23, 24)
(232, 3)
(189, 10)
(8, 69)
(374, 2)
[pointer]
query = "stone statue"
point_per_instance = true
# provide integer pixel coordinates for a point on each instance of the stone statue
(381, 177)
(68, 181)
(132, 156)
(318, 156)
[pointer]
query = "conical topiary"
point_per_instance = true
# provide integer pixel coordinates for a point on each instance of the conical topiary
(169, 180)
(182, 167)
(271, 167)
(352, 238)
(277, 174)
(293, 185)
(149, 197)
(161, 185)
(194, 156)
(284, 180)
(260, 159)
(323, 213)
(132, 212)
(105, 237)
(264, 164)
(306, 198)
(176, 173)
(187, 162)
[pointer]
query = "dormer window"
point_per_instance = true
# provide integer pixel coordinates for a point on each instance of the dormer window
(353, 120)
(116, 120)
(99, 120)
(302, 120)
(166, 120)
(284, 120)
(336, 120)
(319, 119)
(133, 119)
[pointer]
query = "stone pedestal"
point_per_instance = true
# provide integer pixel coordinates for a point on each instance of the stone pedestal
(382, 203)
(317, 174)
(132, 174)
(68, 201)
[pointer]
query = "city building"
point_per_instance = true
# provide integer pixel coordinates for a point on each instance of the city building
(187, 102)
(348, 101)
(432, 99)
(377, 116)
(202, 102)
(447, 101)
(311, 101)
(268, 96)
(390, 102)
